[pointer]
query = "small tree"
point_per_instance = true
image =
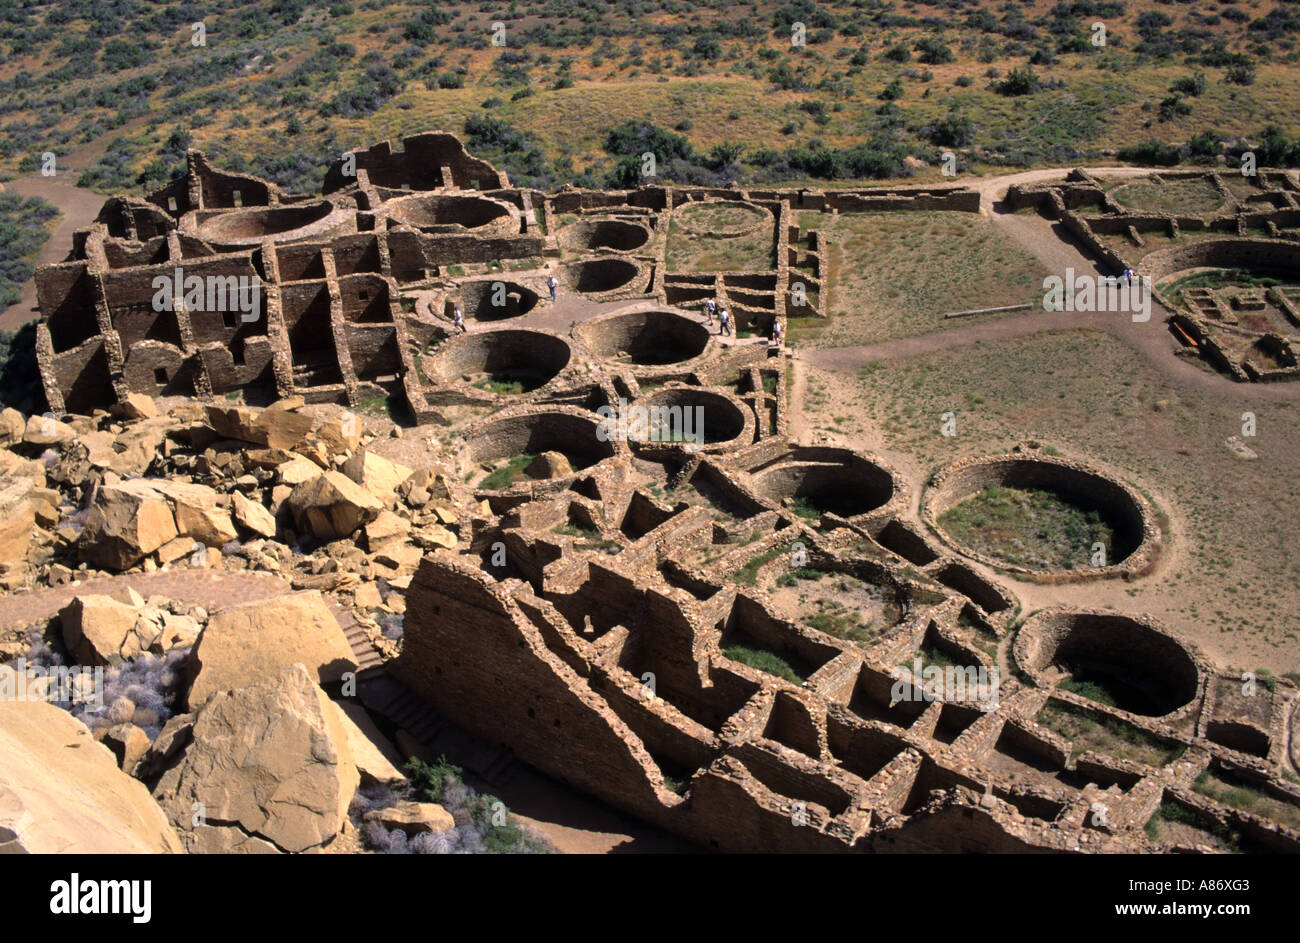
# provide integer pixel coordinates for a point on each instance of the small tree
(1018, 82)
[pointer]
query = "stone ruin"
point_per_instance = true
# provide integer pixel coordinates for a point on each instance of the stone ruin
(615, 610)
(1250, 333)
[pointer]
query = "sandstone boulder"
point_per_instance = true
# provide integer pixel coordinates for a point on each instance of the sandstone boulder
(413, 818)
(200, 512)
(252, 516)
(132, 451)
(98, 630)
(12, 426)
(273, 428)
(13, 465)
(331, 506)
(244, 644)
(137, 406)
(272, 759)
(376, 758)
(386, 529)
(46, 430)
(61, 792)
(17, 518)
(297, 470)
(376, 474)
(127, 742)
(549, 465)
(339, 435)
(127, 521)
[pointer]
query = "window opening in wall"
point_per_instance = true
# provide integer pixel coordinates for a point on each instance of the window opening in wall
(160, 376)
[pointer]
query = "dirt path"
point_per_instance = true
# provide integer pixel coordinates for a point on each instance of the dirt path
(210, 589)
(78, 208)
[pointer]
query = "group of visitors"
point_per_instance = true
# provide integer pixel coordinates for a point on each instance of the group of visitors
(712, 310)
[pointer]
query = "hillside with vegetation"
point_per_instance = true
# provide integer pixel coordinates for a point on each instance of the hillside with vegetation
(117, 89)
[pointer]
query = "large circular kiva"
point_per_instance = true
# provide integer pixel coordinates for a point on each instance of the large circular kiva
(536, 444)
(1111, 658)
(1041, 516)
(255, 223)
(682, 415)
(831, 480)
(615, 234)
(645, 338)
(721, 219)
(440, 210)
(595, 276)
(494, 299)
(510, 361)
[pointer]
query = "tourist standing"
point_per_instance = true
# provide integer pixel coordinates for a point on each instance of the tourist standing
(552, 283)
(724, 319)
(709, 307)
(459, 318)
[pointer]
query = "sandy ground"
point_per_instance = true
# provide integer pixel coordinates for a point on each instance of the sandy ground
(78, 209)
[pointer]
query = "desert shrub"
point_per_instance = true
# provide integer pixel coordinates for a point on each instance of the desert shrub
(636, 137)
(932, 51)
(1173, 107)
(377, 85)
(892, 92)
(783, 77)
(1018, 82)
(1240, 73)
(22, 233)
(486, 825)
(1151, 152)
(953, 130)
(1193, 85)
(1205, 146)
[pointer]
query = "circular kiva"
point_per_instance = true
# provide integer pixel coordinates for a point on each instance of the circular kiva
(1131, 663)
(616, 234)
(441, 212)
(654, 337)
(675, 416)
(599, 276)
(491, 300)
(250, 226)
(1260, 256)
(508, 361)
(531, 431)
(835, 481)
(1135, 534)
(721, 219)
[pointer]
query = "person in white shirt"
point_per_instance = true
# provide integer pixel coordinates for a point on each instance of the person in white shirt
(724, 319)
(552, 283)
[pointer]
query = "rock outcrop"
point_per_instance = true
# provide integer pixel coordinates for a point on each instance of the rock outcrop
(243, 645)
(61, 792)
(268, 768)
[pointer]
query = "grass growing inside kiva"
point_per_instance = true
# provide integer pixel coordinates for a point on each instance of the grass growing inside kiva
(1032, 528)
